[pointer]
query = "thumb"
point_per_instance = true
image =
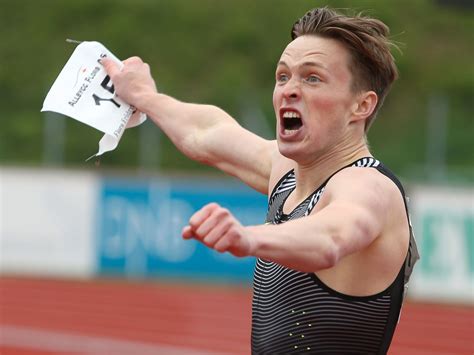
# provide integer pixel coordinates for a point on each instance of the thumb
(110, 66)
(187, 232)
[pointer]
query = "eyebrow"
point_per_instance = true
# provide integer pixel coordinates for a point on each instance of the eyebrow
(305, 64)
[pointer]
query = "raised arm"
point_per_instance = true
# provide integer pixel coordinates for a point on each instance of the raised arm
(204, 133)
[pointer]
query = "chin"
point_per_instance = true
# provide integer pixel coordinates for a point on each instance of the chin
(299, 152)
(290, 150)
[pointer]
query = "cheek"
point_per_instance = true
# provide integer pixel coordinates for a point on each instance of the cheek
(326, 103)
(330, 109)
(327, 112)
(276, 101)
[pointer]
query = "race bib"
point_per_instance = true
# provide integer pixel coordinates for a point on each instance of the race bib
(84, 91)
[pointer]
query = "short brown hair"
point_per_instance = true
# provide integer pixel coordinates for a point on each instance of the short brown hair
(372, 64)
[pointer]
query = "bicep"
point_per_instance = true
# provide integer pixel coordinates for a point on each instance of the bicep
(355, 210)
(350, 226)
(240, 153)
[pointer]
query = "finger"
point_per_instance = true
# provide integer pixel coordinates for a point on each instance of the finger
(217, 216)
(216, 234)
(200, 216)
(224, 243)
(209, 223)
(187, 232)
(134, 120)
(132, 61)
(233, 243)
(110, 66)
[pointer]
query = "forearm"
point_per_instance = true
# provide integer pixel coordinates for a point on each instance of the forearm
(315, 242)
(296, 248)
(189, 126)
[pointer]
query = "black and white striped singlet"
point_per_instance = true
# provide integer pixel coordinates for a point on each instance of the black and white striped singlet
(295, 313)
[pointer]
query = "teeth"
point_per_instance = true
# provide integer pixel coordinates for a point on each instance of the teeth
(291, 114)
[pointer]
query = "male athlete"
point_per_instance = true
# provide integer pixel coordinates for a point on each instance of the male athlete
(337, 248)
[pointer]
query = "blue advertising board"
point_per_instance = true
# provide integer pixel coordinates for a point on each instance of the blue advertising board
(140, 223)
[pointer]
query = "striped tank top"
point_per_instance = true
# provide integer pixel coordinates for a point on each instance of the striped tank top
(294, 312)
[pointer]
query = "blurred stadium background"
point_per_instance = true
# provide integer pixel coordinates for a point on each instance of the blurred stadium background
(91, 261)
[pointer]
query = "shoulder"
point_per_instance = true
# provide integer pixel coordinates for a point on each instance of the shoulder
(362, 177)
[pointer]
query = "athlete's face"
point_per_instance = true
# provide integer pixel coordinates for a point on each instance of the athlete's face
(313, 100)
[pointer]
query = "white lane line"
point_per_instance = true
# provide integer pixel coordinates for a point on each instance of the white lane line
(58, 341)
(417, 350)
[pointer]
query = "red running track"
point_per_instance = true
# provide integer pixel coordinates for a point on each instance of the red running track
(44, 317)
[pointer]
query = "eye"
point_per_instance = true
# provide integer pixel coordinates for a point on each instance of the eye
(313, 79)
(282, 78)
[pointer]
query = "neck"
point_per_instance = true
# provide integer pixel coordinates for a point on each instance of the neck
(310, 175)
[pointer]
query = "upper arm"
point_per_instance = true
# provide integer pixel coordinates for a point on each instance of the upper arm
(238, 152)
(355, 208)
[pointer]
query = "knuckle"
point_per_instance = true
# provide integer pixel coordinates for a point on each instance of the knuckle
(208, 241)
(221, 249)
(136, 59)
(224, 212)
(213, 205)
(200, 236)
(222, 246)
(232, 234)
(193, 223)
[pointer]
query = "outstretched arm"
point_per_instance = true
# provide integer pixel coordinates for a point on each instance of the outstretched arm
(204, 133)
(348, 222)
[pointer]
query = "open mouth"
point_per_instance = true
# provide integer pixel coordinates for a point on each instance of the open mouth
(291, 121)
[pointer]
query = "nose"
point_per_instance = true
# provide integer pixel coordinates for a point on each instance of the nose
(292, 90)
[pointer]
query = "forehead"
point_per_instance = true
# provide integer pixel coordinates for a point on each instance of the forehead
(326, 52)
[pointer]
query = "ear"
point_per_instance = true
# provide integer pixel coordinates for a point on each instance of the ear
(364, 106)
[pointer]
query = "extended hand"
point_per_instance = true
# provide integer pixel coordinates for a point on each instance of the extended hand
(217, 228)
